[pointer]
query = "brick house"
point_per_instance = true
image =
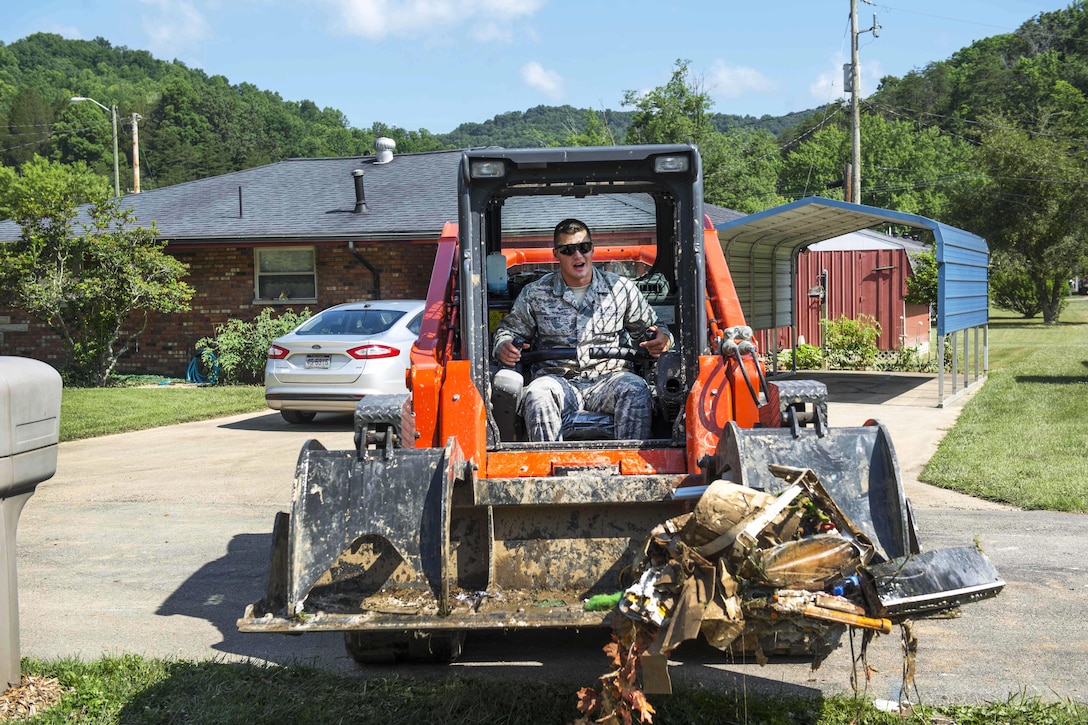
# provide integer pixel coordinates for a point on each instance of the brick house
(293, 234)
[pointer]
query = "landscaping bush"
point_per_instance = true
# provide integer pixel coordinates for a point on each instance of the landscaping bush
(809, 357)
(241, 348)
(850, 344)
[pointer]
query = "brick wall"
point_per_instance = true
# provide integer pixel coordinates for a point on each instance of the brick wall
(222, 278)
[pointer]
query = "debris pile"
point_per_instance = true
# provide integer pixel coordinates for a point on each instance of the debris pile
(763, 575)
(753, 572)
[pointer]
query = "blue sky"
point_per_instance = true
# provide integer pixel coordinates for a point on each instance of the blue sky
(434, 64)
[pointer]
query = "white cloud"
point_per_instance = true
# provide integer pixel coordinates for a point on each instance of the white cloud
(378, 19)
(175, 28)
(547, 82)
(737, 81)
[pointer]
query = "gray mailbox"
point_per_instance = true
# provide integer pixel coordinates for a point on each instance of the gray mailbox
(29, 428)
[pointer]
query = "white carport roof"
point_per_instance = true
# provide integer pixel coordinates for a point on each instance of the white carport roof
(761, 250)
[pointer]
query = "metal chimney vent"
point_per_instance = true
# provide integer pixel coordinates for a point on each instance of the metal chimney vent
(361, 206)
(384, 147)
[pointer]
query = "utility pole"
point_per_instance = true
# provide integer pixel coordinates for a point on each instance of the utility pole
(135, 154)
(854, 189)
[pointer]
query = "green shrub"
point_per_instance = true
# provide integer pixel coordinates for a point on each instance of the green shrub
(850, 344)
(241, 348)
(809, 357)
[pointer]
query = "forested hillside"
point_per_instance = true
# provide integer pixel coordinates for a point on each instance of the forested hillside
(192, 125)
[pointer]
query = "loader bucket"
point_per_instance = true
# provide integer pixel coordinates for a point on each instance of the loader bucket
(398, 501)
(857, 466)
(409, 539)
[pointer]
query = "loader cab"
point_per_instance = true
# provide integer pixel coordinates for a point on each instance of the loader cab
(643, 206)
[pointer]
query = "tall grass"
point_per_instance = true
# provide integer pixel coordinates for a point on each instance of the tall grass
(1022, 439)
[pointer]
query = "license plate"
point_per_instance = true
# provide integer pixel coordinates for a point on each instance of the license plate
(318, 361)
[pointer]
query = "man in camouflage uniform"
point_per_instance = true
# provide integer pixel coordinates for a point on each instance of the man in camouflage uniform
(583, 308)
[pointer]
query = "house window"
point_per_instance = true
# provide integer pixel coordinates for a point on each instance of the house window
(286, 274)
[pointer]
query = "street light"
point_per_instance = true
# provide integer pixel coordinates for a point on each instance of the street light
(113, 114)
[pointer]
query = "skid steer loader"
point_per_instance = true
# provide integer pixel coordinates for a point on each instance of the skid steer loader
(446, 519)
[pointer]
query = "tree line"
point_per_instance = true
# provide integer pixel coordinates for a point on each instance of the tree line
(192, 125)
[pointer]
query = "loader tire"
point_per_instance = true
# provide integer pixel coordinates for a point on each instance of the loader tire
(370, 648)
(374, 648)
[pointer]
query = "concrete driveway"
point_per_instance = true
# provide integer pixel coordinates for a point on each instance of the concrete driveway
(153, 543)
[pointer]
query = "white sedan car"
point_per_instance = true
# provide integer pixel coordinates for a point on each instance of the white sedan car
(329, 362)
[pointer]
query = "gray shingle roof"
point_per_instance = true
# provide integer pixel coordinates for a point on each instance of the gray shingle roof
(410, 197)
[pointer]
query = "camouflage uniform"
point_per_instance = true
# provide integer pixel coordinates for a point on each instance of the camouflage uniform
(613, 313)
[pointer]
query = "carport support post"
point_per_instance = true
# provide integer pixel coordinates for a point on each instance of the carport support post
(10, 674)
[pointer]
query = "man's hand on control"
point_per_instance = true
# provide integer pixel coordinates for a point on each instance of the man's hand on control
(510, 354)
(656, 345)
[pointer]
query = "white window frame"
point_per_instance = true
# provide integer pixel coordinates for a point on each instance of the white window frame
(258, 276)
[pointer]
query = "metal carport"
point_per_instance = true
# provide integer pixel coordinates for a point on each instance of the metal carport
(761, 250)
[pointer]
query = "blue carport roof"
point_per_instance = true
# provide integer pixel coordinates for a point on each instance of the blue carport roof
(762, 249)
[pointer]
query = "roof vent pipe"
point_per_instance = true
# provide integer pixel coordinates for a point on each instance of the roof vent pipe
(361, 206)
(384, 146)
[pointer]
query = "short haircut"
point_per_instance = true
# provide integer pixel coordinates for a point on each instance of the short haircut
(570, 226)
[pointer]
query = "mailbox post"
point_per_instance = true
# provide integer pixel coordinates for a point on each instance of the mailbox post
(29, 430)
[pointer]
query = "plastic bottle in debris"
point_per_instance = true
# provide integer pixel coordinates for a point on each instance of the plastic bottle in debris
(846, 587)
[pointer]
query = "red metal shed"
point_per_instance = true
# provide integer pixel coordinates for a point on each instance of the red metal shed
(866, 274)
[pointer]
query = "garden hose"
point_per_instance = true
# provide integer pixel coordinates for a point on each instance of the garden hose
(194, 375)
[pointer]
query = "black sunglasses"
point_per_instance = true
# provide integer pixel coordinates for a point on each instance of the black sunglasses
(567, 250)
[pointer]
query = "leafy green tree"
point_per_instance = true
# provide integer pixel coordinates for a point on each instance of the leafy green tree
(1011, 285)
(922, 282)
(1033, 208)
(593, 133)
(407, 141)
(815, 162)
(677, 112)
(86, 281)
(747, 177)
(83, 133)
(906, 168)
(40, 180)
(739, 169)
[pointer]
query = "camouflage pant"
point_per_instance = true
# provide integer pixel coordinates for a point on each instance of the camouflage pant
(550, 400)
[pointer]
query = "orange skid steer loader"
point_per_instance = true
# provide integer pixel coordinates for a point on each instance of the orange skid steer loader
(446, 519)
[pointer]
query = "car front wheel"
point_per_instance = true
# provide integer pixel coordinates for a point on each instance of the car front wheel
(297, 417)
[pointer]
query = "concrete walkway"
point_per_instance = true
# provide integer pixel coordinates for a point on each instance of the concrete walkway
(154, 542)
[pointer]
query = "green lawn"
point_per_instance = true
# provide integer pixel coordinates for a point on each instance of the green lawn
(92, 412)
(1022, 438)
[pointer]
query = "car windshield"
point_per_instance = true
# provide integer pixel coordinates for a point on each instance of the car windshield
(351, 322)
